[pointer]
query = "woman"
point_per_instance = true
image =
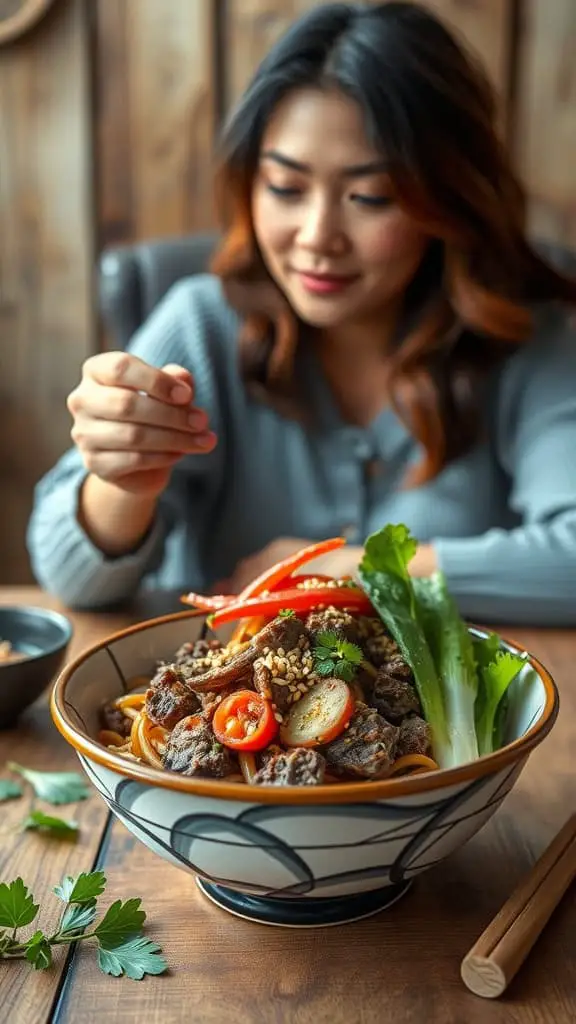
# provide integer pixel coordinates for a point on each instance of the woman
(378, 343)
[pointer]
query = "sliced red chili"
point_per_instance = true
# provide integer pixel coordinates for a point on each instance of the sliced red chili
(297, 600)
(279, 573)
(245, 721)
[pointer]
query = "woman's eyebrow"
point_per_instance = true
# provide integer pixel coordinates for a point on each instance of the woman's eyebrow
(355, 171)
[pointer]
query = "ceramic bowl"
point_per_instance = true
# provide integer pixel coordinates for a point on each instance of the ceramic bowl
(42, 636)
(292, 856)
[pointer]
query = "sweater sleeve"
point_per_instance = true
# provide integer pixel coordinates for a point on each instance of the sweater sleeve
(64, 559)
(527, 575)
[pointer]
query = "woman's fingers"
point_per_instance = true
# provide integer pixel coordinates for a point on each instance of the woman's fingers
(110, 435)
(101, 402)
(123, 370)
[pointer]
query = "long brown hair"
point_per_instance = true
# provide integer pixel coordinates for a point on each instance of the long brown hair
(430, 110)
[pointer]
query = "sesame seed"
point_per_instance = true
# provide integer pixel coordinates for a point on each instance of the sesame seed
(296, 696)
(278, 716)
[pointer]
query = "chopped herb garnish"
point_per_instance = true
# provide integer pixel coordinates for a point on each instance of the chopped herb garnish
(122, 948)
(334, 656)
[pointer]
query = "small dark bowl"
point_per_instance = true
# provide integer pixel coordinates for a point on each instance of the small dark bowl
(43, 637)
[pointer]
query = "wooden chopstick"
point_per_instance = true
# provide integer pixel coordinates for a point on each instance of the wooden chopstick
(494, 959)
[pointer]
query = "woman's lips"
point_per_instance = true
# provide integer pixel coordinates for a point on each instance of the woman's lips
(325, 284)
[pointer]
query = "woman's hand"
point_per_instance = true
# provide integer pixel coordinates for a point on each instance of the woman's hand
(343, 562)
(133, 421)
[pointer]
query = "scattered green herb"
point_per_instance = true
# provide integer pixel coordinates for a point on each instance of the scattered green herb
(286, 613)
(9, 790)
(58, 827)
(334, 656)
(122, 948)
(54, 787)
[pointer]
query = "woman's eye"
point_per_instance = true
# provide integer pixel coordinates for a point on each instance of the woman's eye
(283, 193)
(377, 201)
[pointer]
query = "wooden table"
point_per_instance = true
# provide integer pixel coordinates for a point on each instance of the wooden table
(399, 967)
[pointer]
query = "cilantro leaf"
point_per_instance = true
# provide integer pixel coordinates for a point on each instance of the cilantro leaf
(350, 652)
(83, 889)
(38, 952)
(134, 958)
(328, 638)
(77, 917)
(323, 653)
(47, 823)
(17, 907)
(9, 790)
(54, 787)
(286, 613)
(325, 668)
(120, 922)
(344, 670)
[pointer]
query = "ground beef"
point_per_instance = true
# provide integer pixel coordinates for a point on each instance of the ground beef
(367, 748)
(414, 737)
(377, 643)
(394, 697)
(169, 698)
(190, 653)
(112, 718)
(298, 767)
(336, 620)
(283, 632)
(192, 749)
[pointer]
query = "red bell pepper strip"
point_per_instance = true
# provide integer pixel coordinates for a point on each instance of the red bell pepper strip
(244, 721)
(279, 573)
(297, 600)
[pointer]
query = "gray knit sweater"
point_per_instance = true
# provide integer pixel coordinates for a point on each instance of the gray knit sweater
(502, 519)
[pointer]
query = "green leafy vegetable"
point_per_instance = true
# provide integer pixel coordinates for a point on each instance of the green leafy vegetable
(453, 653)
(58, 827)
(120, 922)
(54, 787)
(39, 952)
(17, 907)
(334, 656)
(134, 958)
(9, 790)
(83, 889)
(122, 947)
(286, 613)
(497, 668)
(384, 576)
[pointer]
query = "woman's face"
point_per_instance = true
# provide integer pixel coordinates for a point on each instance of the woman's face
(328, 227)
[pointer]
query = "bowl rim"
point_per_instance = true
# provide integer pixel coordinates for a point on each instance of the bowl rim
(57, 618)
(330, 793)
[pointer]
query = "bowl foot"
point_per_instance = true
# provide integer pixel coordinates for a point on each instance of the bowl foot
(317, 912)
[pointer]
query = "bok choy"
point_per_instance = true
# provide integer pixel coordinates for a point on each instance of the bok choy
(461, 681)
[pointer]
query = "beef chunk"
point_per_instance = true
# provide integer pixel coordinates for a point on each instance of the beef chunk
(414, 737)
(283, 632)
(394, 697)
(338, 621)
(112, 718)
(219, 670)
(192, 749)
(367, 748)
(285, 665)
(297, 767)
(169, 698)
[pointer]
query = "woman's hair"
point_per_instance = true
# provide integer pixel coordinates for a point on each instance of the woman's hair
(430, 110)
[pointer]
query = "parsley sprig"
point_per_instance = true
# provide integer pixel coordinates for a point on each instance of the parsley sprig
(334, 656)
(122, 948)
(54, 788)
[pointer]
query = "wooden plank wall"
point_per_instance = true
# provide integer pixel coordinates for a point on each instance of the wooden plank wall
(108, 116)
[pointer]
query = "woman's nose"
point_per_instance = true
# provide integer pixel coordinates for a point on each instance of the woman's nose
(321, 230)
